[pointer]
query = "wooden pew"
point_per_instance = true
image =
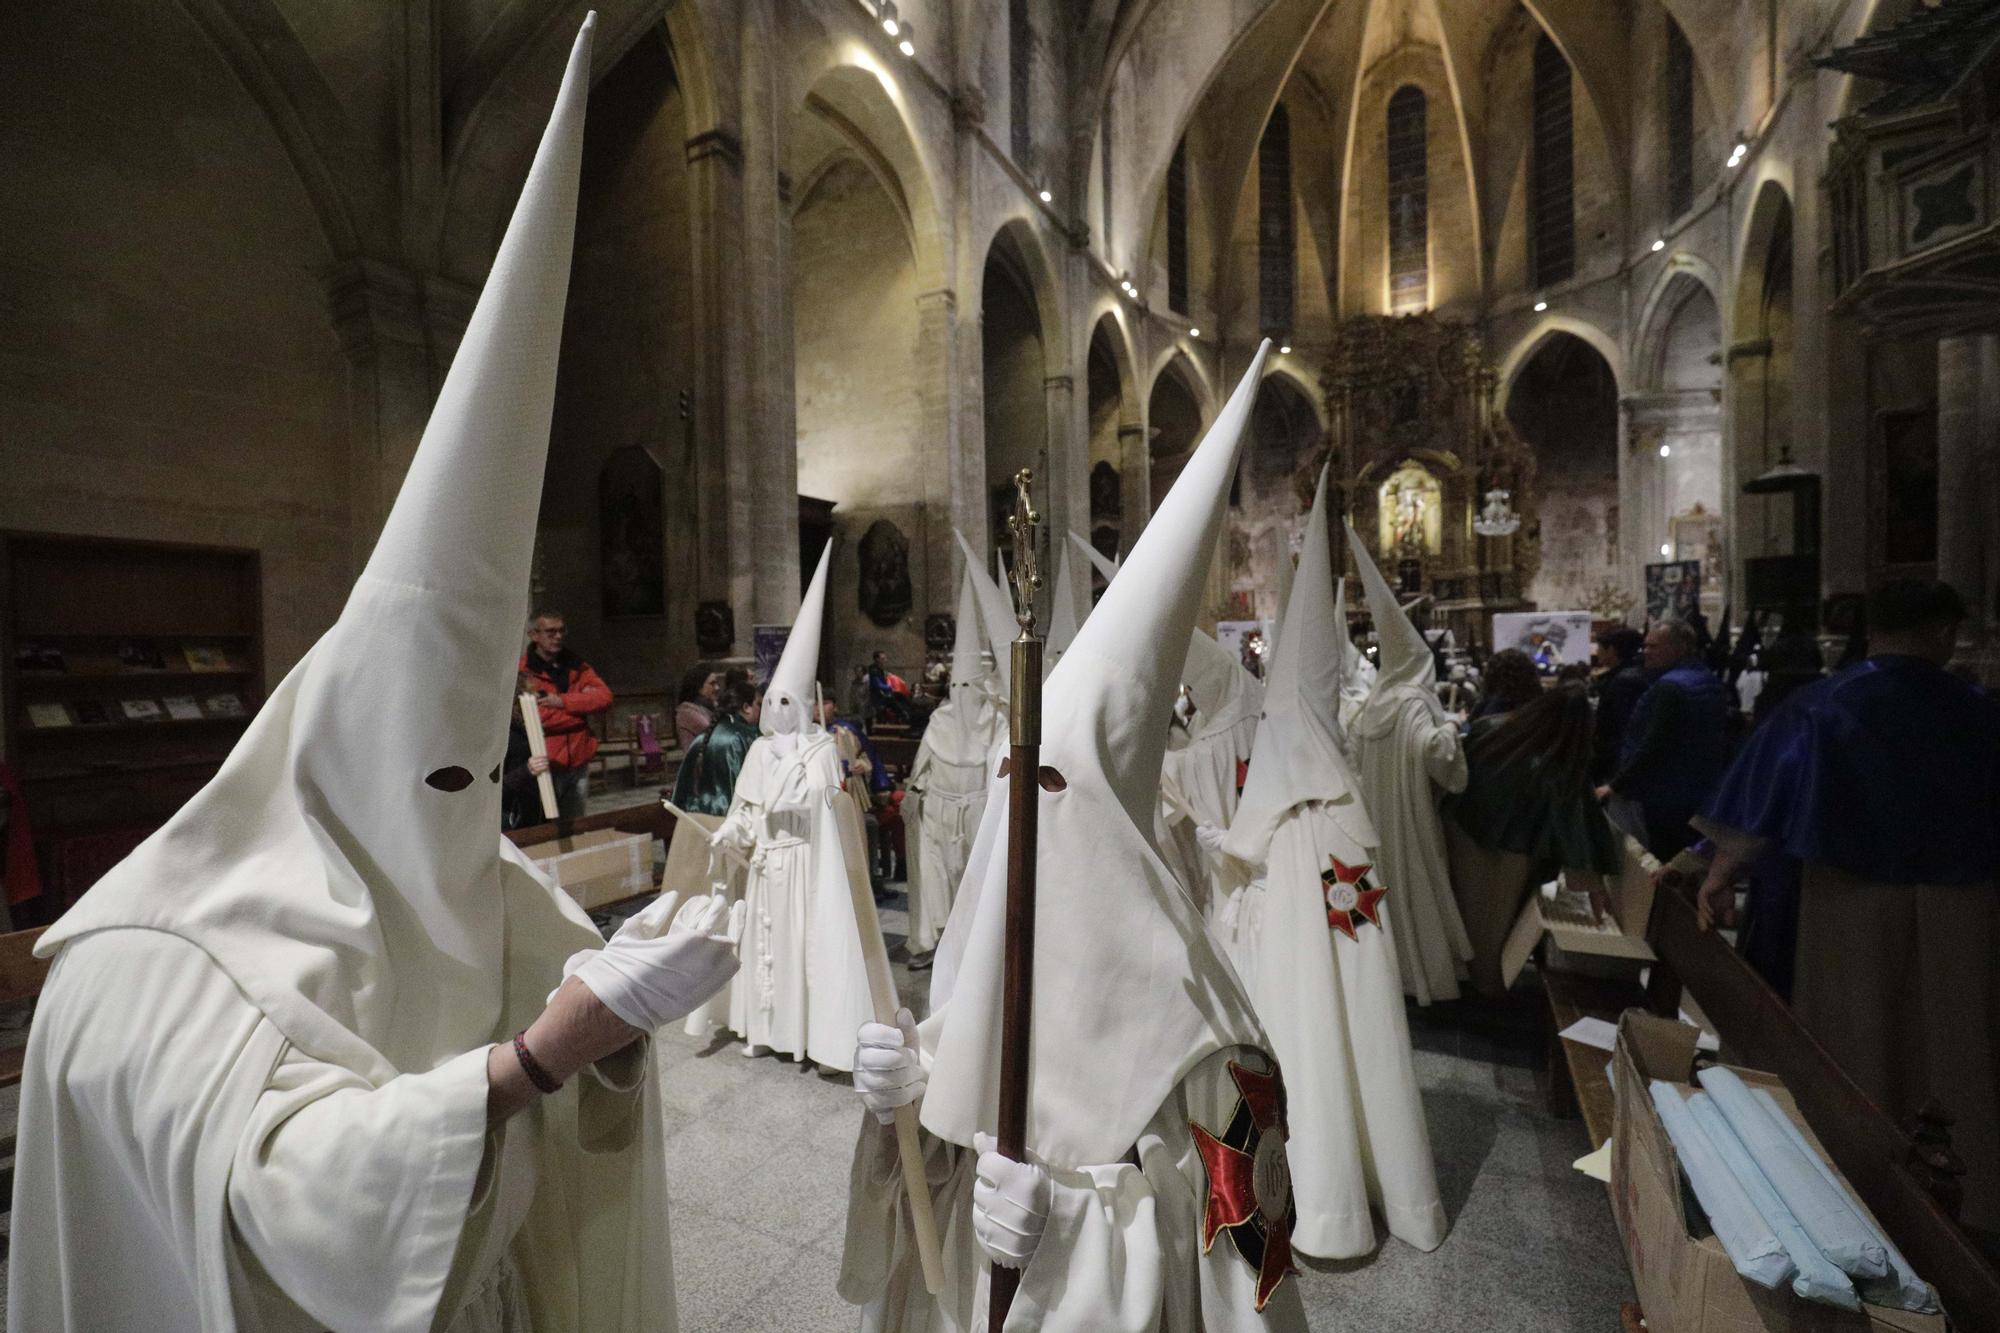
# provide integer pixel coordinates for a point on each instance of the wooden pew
(1880, 1158)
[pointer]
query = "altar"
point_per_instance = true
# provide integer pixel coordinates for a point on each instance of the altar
(1425, 467)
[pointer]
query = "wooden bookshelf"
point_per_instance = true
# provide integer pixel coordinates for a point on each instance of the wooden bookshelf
(90, 626)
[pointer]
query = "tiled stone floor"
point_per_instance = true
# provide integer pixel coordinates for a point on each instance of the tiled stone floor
(760, 1184)
(759, 1153)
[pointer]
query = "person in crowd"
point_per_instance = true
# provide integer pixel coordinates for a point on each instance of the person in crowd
(865, 775)
(1619, 682)
(1511, 680)
(1526, 813)
(707, 777)
(1154, 1088)
(520, 793)
(1675, 746)
(1408, 752)
(701, 688)
(569, 691)
(1883, 782)
(888, 695)
(325, 1053)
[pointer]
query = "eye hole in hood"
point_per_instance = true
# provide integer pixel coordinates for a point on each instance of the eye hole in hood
(449, 778)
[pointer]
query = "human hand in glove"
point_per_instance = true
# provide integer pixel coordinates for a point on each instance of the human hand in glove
(1010, 1205)
(1209, 836)
(663, 963)
(888, 1066)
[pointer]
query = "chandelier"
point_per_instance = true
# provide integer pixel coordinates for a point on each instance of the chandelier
(1498, 518)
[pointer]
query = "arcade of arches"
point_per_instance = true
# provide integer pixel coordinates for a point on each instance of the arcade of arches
(811, 266)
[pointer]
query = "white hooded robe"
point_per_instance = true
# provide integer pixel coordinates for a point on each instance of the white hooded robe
(1407, 748)
(1144, 1051)
(1316, 953)
(255, 1090)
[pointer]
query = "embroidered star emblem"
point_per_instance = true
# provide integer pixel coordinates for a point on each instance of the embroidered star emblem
(1350, 894)
(1249, 1180)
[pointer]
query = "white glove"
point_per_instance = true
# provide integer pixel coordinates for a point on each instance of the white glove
(1209, 836)
(650, 978)
(888, 1066)
(1010, 1205)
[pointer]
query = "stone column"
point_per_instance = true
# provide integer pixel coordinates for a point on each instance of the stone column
(719, 473)
(1968, 475)
(1065, 487)
(952, 483)
(398, 332)
(1135, 478)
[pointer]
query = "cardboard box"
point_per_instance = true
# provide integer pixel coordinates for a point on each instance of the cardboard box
(1614, 949)
(1685, 1281)
(598, 867)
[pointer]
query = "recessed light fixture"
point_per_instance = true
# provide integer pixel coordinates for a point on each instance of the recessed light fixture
(1194, 333)
(1540, 306)
(1045, 196)
(906, 46)
(1286, 350)
(1658, 245)
(887, 9)
(1666, 451)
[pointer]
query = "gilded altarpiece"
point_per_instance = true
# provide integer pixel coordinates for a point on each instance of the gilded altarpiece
(1416, 443)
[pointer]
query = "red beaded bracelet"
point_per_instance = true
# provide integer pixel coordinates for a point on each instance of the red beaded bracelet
(540, 1077)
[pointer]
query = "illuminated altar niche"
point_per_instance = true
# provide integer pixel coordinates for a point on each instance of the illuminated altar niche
(1409, 507)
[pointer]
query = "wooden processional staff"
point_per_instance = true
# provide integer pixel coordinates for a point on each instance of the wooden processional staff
(1024, 766)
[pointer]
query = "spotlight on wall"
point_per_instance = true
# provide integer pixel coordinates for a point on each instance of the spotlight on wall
(1540, 306)
(887, 9)
(1045, 194)
(1666, 549)
(1658, 245)
(1286, 350)
(1666, 451)
(1738, 153)
(906, 46)
(1193, 332)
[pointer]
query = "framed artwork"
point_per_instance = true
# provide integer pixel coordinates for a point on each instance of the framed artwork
(632, 551)
(1673, 589)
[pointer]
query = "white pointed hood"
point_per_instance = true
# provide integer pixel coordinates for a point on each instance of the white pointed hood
(345, 866)
(1131, 990)
(1357, 673)
(1297, 755)
(1063, 618)
(996, 616)
(962, 730)
(788, 697)
(1407, 668)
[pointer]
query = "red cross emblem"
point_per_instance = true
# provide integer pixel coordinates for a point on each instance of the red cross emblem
(1249, 1180)
(1350, 894)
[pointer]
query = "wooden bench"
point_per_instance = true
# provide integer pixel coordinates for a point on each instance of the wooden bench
(1880, 1158)
(1578, 1082)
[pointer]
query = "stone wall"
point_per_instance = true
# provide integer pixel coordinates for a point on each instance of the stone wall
(168, 367)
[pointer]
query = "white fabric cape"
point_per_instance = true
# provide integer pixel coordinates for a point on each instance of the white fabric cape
(803, 989)
(946, 789)
(1407, 749)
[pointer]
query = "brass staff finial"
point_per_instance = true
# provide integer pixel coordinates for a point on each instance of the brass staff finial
(1025, 577)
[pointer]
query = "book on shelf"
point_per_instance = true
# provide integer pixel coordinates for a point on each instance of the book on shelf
(39, 657)
(89, 662)
(142, 710)
(141, 655)
(205, 657)
(90, 712)
(44, 717)
(223, 705)
(182, 708)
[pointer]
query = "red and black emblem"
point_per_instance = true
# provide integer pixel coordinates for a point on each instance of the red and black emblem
(1350, 896)
(1249, 1180)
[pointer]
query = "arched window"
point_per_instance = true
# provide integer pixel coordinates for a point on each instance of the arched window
(1409, 203)
(1552, 233)
(1020, 55)
(1177, 240)
(1276, 252)
(1679, 138)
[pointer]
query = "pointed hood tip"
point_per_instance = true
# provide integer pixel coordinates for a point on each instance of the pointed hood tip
(797, 671)
(1406, 659)
(996, 614)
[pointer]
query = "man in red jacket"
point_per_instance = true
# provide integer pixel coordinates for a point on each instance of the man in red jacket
(570, 691)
